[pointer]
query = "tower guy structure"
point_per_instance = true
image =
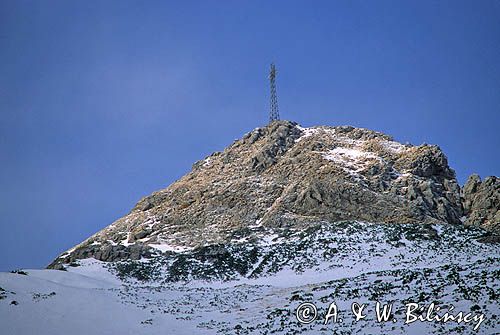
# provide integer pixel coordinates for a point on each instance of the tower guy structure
(273, 113)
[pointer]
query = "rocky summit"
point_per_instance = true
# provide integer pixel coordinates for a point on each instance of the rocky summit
(283, 218)
(284, 176)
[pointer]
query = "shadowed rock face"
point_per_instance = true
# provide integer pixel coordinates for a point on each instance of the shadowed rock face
(283, 175)
(481, 202)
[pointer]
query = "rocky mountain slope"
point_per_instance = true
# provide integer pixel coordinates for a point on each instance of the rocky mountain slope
(282, 217)
(285, 175)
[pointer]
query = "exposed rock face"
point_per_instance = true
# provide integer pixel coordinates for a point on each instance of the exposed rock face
(481, 200)
(283, 175)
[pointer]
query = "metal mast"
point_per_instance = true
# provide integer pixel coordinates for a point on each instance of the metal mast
(273, 114)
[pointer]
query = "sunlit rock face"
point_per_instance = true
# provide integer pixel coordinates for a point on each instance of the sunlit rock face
(481, 200)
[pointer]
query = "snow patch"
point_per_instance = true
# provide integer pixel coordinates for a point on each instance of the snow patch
(163, 247)
(307, 132)
(393, 146)
(352, 160)
(206, 161)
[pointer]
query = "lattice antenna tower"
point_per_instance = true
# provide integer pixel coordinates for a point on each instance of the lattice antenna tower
(273, 113)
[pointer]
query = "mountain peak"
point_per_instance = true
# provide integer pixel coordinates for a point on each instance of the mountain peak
(284, 176)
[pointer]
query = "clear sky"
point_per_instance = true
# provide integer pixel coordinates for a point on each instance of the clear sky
(103, 102)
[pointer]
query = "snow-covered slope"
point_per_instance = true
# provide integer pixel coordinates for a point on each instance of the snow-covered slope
(254, 284)
(65, 302)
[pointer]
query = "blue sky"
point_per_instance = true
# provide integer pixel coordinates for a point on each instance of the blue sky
(103, 102)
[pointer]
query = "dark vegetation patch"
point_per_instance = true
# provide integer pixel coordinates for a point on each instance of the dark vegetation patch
(143, 271)
(19, 272)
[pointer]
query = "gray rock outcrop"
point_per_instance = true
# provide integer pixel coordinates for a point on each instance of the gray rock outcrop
(481, 202)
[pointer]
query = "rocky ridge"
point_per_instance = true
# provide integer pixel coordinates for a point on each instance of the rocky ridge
(283, 176)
